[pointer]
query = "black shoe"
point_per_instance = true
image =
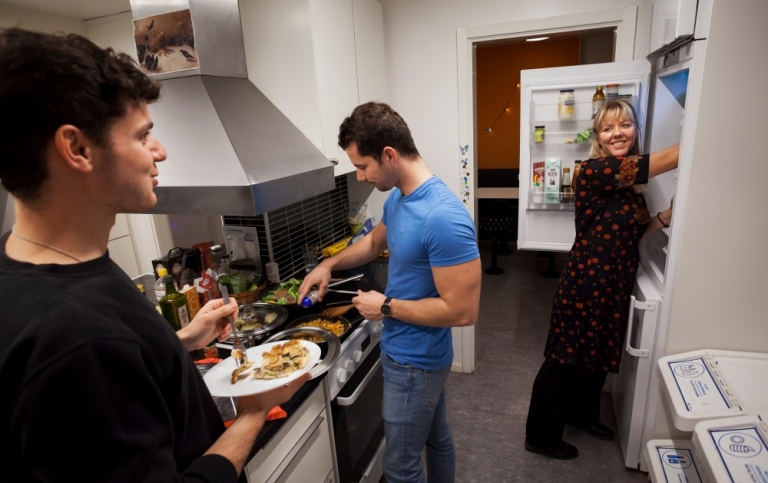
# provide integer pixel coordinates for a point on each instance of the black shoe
(562, 451)
(598, 430)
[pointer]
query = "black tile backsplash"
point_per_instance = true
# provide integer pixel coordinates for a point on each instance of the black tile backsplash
(319, 220)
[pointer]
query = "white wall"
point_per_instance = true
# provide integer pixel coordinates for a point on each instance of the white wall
(31, 20)
(420, 46)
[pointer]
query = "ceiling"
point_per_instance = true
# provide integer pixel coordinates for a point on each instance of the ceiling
(75, 9)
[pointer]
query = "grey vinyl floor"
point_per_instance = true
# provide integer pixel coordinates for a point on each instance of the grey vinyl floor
(487, 409)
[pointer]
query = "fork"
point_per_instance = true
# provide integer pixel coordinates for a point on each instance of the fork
(237, 344)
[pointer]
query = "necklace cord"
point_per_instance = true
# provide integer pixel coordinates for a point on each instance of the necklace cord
(44, 245)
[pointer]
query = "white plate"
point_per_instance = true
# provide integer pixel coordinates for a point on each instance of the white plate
(219, 377)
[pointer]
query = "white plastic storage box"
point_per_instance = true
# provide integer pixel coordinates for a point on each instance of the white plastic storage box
(733, 449)
(712, 384)
(672, 461)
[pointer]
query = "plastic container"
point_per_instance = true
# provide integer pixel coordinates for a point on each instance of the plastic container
(273, 272)
(611, 92)
(720, 396)
(566, 105)
(711, 384)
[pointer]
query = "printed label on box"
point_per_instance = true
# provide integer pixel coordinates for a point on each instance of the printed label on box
(697, 386)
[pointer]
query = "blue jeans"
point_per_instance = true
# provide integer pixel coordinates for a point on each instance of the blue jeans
(415, 417)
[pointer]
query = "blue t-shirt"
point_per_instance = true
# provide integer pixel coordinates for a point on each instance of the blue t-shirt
(428, 228)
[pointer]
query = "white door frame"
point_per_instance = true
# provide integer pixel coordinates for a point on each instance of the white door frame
(625, 22)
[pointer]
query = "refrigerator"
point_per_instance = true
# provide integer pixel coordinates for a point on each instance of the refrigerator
(660, 88)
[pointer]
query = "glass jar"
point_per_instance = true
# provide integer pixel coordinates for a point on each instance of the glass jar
(538, 134)
(611, 92)
(566, 106)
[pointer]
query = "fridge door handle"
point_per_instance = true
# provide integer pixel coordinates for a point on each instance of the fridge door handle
(636, 304)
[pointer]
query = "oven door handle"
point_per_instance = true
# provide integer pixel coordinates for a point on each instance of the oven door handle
(348, 401)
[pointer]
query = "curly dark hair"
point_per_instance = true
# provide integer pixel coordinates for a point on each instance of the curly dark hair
(47, 81)
(373, 126)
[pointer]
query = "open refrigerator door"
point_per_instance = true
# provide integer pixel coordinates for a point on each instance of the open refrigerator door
(556, 121)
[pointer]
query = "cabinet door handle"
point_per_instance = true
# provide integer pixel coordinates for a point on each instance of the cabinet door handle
(289, 458)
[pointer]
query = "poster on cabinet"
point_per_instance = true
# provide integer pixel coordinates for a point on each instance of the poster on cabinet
(165, 42)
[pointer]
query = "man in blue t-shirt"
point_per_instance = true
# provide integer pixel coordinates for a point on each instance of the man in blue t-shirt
(433, 285)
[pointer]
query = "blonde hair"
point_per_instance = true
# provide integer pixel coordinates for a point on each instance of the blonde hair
(610, 111)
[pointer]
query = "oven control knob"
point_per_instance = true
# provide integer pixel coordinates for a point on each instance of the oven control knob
(350, 365)
(341, 376)
(377, 330)
(357, 356)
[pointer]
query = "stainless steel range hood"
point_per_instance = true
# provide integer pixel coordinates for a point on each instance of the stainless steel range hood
(230, 150)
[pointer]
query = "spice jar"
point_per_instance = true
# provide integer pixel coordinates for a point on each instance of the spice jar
(566, 106)
(538, 134)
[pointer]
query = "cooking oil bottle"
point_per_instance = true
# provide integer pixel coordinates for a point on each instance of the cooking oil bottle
(173, 305)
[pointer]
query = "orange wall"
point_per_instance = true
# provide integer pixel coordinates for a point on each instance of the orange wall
(498, 73)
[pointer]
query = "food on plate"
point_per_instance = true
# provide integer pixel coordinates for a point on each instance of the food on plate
(285, 293)
(281, 360)
(245, 364)
(336, 328)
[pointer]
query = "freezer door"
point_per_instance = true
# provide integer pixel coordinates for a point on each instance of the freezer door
(545, 220)
(631, 386)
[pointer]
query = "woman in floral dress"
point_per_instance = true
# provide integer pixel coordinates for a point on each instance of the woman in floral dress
(591, 306)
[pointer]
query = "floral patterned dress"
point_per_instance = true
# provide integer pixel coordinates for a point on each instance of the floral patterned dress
(589, 314)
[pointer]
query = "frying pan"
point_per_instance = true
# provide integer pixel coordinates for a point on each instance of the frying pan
(309, 318)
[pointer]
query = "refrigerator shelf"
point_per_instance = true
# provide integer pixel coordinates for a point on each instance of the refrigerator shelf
(542, 206)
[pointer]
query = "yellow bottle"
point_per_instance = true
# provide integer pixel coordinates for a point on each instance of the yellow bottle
(597, 100)
(173, 305)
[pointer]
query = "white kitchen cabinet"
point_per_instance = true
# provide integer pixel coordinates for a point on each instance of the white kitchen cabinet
(313, 59)
(300, 451)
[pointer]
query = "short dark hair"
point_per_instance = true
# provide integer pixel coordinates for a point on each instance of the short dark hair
(373, 126)
(47, 81)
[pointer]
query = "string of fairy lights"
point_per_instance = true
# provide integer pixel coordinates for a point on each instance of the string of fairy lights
(505, 110)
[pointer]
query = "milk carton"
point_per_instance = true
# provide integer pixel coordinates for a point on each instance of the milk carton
(552, 179)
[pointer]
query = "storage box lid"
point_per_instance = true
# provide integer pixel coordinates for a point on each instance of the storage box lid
(733, 449)
(710, 383)
(671, 460)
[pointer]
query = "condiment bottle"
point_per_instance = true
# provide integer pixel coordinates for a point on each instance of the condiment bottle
(173, 305)
(160, 283)
(566, 107)
(567, 191)
(224, 274)
(597, 102)
(309, 300)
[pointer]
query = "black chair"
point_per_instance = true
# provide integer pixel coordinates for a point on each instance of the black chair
(498, 223)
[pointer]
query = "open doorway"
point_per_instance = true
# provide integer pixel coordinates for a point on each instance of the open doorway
(621, 23)
(498, 64)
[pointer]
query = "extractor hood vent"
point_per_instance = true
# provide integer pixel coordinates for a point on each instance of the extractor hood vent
(230, 150)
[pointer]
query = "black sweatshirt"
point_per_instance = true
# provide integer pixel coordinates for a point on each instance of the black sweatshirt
(95, 385)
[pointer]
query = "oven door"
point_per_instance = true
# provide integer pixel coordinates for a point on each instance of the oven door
(357, 422)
